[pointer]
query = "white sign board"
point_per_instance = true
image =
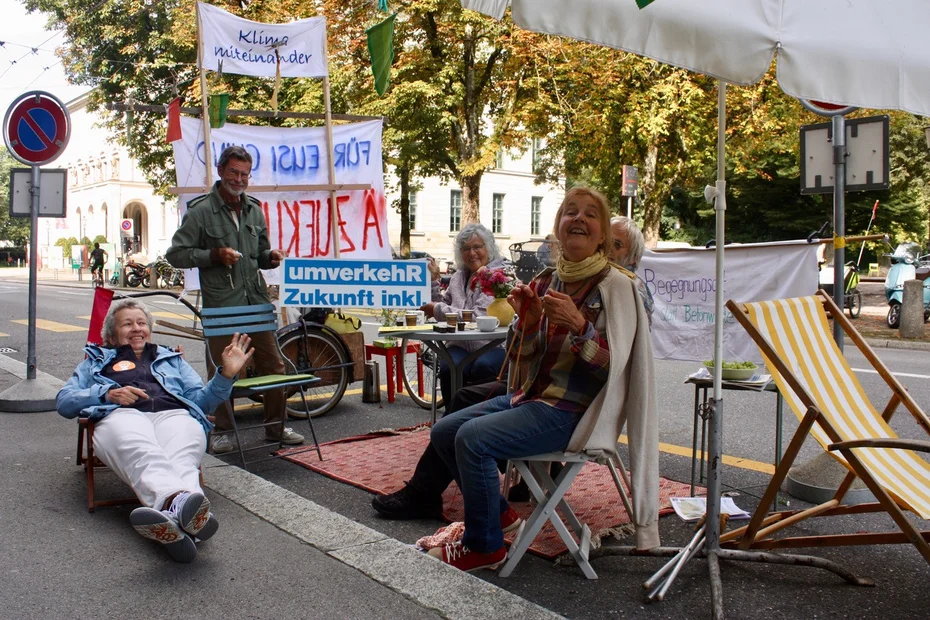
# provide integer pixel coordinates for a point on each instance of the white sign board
(53, 183)
(355, 283)
(125, 228)
(866, 161)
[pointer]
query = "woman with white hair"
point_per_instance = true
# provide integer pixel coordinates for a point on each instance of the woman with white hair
(474, 251)
(150, 411)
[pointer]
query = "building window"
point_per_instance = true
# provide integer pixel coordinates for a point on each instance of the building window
(535, 211)
(455, 210)
(497, 214)
(499, 160)
(412, 198)
(537, 148)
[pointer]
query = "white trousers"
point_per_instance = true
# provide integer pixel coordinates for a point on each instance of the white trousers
(157, 454)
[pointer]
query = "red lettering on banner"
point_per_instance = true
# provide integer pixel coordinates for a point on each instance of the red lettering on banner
(280, 226)
(375, 213)
(343, 235)
(293, 212)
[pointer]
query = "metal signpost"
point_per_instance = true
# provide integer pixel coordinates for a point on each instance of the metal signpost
(630, 183)
(36, 130)
(861, 164)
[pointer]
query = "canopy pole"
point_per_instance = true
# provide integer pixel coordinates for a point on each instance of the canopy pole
(205, 104)
(333, 205)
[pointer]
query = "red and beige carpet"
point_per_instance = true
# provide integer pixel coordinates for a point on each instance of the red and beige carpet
(382, 462)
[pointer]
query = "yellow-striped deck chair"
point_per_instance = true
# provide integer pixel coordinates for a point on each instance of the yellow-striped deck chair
(822, 390)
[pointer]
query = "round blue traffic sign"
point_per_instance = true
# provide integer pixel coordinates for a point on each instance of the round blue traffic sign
(36, 128)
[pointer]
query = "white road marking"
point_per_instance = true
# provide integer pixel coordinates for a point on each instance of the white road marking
(897, 374)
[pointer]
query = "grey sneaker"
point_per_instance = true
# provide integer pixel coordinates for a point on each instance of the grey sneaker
(158, 526)
(288, 437)
(221, 444)
(190, 511)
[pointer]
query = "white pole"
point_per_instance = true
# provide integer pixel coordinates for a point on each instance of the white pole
(333, 207)
(205, 104)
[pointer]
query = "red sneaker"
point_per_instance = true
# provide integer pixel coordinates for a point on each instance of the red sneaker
(461, 557)
(510, 520)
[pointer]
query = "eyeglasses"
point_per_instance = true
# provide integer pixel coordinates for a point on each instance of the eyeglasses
(236, 174)
(472, 248)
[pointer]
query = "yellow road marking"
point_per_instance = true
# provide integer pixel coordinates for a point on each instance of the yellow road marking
(734, 461)
(51, 326)
(172, 315)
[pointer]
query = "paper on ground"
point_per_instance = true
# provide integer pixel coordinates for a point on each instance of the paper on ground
(693, 508)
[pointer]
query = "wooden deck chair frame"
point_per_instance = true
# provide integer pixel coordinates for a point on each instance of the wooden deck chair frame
(91, 464)
(550, 495)
(224, 322)
(762, 526)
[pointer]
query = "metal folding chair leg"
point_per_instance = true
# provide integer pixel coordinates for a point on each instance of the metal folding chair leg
(546, 511)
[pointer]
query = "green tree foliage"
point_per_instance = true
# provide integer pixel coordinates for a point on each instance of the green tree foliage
(13, 230)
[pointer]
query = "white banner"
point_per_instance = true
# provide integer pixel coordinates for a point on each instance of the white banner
(683, 285)
(298, 222)
(252, 48)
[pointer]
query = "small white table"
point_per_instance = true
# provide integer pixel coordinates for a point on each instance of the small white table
(439, 342)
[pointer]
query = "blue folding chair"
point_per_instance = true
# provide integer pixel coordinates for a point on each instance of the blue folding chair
(220, 322)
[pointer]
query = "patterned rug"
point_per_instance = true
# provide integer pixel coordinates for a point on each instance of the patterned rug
(382, 462)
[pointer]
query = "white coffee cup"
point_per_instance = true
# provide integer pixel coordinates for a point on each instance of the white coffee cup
(487, 323)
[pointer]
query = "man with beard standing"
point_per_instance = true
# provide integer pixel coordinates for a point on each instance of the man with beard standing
(224, 234)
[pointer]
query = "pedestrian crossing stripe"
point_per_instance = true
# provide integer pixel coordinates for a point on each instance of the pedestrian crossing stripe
(163, 314)
(51, 326)
(2, 335)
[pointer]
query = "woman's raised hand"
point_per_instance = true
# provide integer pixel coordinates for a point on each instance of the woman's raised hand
(236, 355)
(561, 310)
(526, 304)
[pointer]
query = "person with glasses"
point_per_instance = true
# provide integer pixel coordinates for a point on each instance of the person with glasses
(224, 234)
(627, 250)
(474, 251)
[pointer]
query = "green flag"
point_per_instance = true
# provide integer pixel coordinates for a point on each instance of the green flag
(642, 4)
(217, 110)
(381, 50)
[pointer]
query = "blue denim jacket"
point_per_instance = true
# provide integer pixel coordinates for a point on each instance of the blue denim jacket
(85, 392)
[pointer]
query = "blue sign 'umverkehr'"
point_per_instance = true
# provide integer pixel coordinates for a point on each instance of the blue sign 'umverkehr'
(340, 283)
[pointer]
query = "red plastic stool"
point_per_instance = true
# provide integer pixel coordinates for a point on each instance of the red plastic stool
(392, 357)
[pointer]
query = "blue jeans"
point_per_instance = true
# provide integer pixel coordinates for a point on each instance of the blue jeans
(481, 370)
(470, 440)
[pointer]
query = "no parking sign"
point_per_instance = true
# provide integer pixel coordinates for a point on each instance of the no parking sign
(125, 227)
(36, 128)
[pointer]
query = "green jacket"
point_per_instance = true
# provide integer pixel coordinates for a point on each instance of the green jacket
(208, 225)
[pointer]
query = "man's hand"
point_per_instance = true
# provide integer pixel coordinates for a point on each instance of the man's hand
(228, 256)
(561, 310)
(236, 355)
(276, 257)
(127, 395)
(428, 308)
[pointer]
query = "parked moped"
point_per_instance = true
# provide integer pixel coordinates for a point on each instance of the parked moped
(906, 264)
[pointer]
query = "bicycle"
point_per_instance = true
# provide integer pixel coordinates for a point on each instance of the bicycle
(421, 370)
(316, 349)
(97, 275)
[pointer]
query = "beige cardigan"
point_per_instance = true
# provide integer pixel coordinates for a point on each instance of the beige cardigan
(628, 397)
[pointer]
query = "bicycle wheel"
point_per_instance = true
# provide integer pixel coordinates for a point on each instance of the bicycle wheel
(855, 304)
(316, 353)
(411, 378)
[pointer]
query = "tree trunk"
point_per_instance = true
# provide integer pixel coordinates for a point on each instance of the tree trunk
(471, 186)
(652, 203)
(403, 173)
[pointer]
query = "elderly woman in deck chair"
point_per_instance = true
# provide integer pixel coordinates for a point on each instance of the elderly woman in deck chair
(150, 408)
(584, 333)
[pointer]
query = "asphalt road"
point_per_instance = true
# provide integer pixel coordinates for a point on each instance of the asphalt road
(749, 423)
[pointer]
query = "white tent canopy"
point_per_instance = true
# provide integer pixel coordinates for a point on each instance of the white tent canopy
(862, 53)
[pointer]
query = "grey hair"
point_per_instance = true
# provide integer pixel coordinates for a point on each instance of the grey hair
(635, 236)
(468, 231)
(108, 333)
(233, 152)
